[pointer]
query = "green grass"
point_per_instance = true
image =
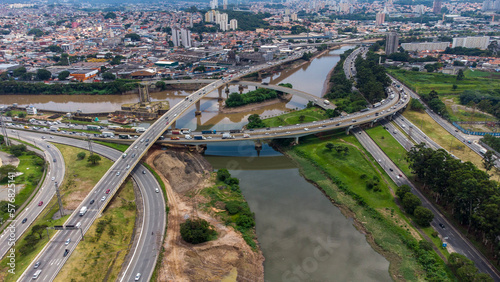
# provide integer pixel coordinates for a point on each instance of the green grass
(310, 115)
(379, 214)
(458, 113)
(474, 74)
(33, 172)
(117, 146)
(391, 147)
(81, 122)
(424, 82)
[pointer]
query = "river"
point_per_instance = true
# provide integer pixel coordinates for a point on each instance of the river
(303, 236)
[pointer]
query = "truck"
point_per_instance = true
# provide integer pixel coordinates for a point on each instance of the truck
(124, 136)
(483, 151)
(364, 110)
(83, 211)
(227, 136)
(54, 128)
(199, 137)
(177, 132)
(93, 127)
(377, 105)
(235, 131)
(185, 130)
(326, 102)
(139, 129)
(208, 132)
(106, 134)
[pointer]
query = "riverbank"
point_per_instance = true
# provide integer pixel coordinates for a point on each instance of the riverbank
(186, 176)
(255, 106)
(343, 179)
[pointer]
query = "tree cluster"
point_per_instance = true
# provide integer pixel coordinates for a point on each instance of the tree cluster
(415, 105)
(371, 78)
(255, 96)
(464, 269)
(467, 192)
(468, 51)
(254, 121)
(486, 101)
(115, 87)
(412, 205)
(433, 101)
(492, 141)
(196, 231)
(30, 241)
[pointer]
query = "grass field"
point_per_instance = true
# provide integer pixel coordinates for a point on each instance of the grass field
(119, 147)
(315, 161)
(310, 115)
(31, 166)
(446, 140)
(462, 113)
(424, 82)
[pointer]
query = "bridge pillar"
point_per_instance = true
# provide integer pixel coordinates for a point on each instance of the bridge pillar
(198, 111)
(174, 124)
(240, 88)
(220, 94)
(348, 129)
(297, 140)
(259, 75)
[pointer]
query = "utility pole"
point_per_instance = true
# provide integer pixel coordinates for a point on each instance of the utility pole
(90, 146)
(59, 199)
(4, 129)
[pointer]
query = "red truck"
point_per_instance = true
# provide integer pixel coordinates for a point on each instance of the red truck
(176, 132)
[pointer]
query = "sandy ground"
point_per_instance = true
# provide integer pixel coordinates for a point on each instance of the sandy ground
(228, 257)
(8, 159)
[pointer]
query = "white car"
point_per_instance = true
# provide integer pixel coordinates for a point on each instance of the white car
(53, 178)
(67, 241)
(103, 198)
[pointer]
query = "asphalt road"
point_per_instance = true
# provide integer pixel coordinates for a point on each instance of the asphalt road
(149, 242)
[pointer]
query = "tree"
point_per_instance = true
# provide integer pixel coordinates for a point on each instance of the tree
(108, 76)
(454, 87)
(197, 231)
(17, 150)
(254, 121)
(223, 174)
(81, 155)
(43, 74)
(63, 75)
(415, 105)
(423, 216)
(22, 115)
(329, 146)
(133, 36)
(410, 202)
(94, 159)
(161, 85)
(110, 15)
(460, 75)
(302, 118)
(402, 190)
(488, 160)
(18, 71)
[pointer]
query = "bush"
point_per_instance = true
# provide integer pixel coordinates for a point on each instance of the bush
(233, 207)
(423, 216)
(245, 221)
(81, 155)
(223, 174)
(197, 231)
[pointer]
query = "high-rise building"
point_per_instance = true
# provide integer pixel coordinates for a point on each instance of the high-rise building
(294, 17)
(209, 17)
(391, 43)
(214, 4)
(380, 19)
(436, 7)
(224, 4)
(233, 24)
(491, 5)
(480, 42)
(181, 37)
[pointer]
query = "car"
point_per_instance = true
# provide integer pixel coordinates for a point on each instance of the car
(400, 175)
(135, 147)
(48, 146)
(66, 251)
(37, 264)
(53, 178)
(306, 129)
(146, 144)
(40, 203)
(43, 137)
(174, 138)
(92, 201)
(157, 190)
(54, 160)
(128, 166)
(118, 173)
(107, 191)
(103, 198)
(391, 169)
(441, 225)
(67, 241)
(379, 160)
(288, 132)
(133, 155)
(142, 140)
(24, 220)
(143, 172)
(137, 276)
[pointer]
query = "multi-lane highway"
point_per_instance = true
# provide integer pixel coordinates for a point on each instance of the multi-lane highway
(146, 247)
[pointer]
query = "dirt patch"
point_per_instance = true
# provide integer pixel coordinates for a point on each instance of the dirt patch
(185, 174)
(255, 106)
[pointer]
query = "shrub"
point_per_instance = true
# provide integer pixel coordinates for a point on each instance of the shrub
(197, 231)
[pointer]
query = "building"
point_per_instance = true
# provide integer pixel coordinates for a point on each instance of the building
(425, 46)
(167, 64)
(294, 17)
(391, 43)
(84, 74)
(436, 7)
(224, 4)
(480, 42)
(233, 24)
(214, 4)
(181, 37)
(30, 110)
(491, 5)
(145, 73)
(380, 19)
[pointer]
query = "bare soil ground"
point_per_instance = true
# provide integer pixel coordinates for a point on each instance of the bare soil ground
(227, 258)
